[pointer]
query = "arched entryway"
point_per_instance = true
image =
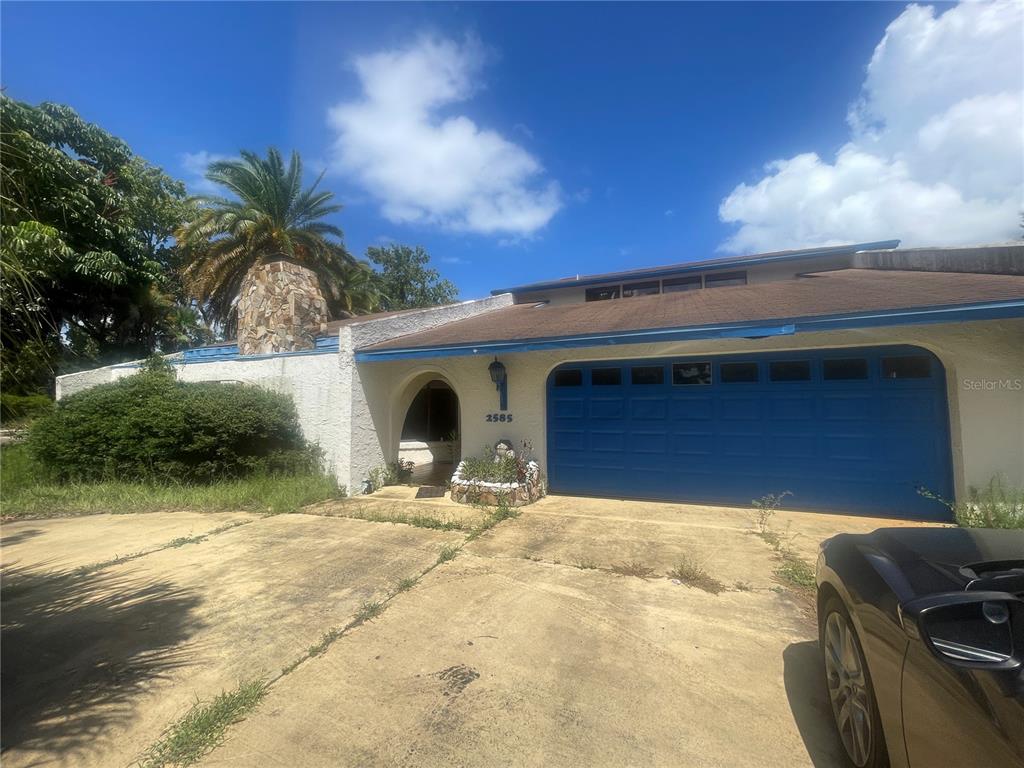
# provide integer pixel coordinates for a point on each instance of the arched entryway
(430, 436)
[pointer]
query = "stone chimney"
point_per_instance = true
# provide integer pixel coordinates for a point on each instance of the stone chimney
(280, 309)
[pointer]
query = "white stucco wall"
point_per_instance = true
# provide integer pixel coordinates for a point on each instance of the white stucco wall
(327, 389)
(356, 411)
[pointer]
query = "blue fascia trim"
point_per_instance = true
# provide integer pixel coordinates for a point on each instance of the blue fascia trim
(679, 269)
(324, 346)
(919, 316)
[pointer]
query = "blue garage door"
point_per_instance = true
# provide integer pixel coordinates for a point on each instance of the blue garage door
(853, 430)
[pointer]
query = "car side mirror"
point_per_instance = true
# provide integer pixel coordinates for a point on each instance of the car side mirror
(969, 629)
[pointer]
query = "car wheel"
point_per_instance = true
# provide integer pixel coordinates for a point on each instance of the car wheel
(849, 688)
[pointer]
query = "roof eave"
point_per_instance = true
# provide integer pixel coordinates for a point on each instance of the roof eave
(995, 310)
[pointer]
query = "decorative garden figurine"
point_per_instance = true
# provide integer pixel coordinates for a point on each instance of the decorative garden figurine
(503, 449)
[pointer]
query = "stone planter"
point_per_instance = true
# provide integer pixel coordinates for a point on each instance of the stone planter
(470, 491)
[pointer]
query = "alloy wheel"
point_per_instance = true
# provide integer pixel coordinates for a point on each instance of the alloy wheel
(848, 688)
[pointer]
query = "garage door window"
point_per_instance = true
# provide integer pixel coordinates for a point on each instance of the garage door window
(604, 377)
(909, 367)
(685, 374)
(648, 374)
(846, 369)
(790, 370)
(572, 377)
(738, 373)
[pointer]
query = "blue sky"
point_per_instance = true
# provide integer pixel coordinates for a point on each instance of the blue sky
(534, 141)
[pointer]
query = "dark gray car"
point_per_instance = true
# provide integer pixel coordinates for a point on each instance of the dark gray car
(922, 638)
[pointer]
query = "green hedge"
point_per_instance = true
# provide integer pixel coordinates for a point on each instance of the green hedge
(21, 407)
(149, 426)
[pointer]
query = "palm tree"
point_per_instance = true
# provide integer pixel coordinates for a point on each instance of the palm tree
(271, 218)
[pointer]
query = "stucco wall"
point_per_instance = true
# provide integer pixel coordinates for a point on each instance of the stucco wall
(984, 366)
(356, 411)
(328, 390)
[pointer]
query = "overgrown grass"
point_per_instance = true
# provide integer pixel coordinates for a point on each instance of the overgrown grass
(692, 574)
(27, 492)
(202, 728)
(394, 516)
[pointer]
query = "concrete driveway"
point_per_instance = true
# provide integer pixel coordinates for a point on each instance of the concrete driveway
(526, 649)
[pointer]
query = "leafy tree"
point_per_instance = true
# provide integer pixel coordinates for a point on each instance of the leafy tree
(86, 247)
(270, 217)
(405, 281)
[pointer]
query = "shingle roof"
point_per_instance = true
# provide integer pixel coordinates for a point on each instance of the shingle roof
(820, 294)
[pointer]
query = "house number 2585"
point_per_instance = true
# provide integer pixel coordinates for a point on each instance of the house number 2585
(506, 417)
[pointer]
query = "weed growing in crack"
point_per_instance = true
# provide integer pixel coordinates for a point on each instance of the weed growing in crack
(404, 585)
(368, 611)
(796, 571)
(202, 728)
(639, 570)
(693, 575)
(448, 552)
(793, 570)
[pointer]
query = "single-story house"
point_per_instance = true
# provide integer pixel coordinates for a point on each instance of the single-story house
(852, 376)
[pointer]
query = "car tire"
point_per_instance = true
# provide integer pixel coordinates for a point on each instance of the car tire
(849, 688)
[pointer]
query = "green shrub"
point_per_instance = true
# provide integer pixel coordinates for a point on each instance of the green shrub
(16, 408)
(149, 426)
(396, 473)
(994, 506)
(489, 468)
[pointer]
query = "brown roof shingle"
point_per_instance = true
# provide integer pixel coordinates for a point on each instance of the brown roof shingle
(823, 293)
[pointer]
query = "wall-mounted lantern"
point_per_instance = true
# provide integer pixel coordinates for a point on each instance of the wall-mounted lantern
(500, 379)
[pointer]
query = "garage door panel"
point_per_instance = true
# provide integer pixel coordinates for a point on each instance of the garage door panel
(788, 447)
(648, 408)
(849, 407)
(607, 408)
(564, 408)
(567, 440)
(740, 445)
(648, 442)
(739, 408)
(791, 408)
(906, 407)
(693, 443)
(860, 445)
(605, 442)
(693, 409)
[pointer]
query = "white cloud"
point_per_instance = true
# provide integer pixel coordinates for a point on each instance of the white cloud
(936, 148)
(454, 260)
(425, 166)
(194, 164)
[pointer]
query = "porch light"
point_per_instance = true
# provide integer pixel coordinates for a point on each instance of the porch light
(500, 379)
(497, 371)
